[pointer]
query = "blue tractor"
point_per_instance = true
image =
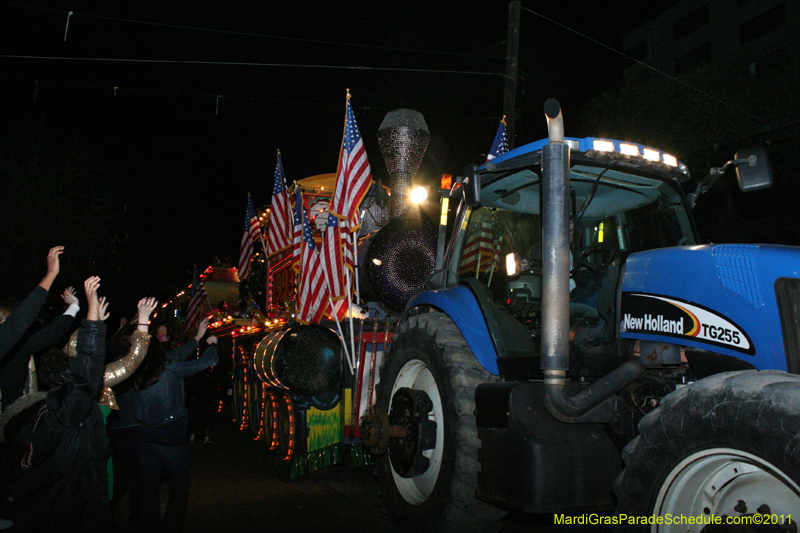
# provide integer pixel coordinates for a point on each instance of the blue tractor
(581, 351)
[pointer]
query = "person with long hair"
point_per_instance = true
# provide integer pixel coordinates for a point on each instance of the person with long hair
(163, 443)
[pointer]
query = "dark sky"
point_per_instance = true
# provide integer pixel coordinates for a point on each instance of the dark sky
(188, 158)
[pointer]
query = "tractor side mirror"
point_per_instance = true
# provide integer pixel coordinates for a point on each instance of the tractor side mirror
(753, 169)
(472, 188)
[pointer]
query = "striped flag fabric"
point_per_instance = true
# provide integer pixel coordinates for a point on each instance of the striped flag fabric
(250, 234)
(354, 176)
(297, 233)
(197, 298)
(332, 258)
(497, 246)
(280, 218)
(348, 236)
(478, 250)
(496, 258)
(500, 144)
(312, 293)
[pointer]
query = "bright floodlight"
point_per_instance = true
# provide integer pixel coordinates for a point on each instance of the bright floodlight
(419, 194)
(511, 265)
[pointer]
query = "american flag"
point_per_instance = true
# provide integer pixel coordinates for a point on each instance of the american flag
(280, 218)
(500, 144)
(348, 235)
(332, 258)
(251, 234)
(313, 291)
(297, 233)
(478, 250)
(198, 296)
(342, 304)
(498, 245)
(354, 177)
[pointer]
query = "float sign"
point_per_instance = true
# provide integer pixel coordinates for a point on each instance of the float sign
(653, 314)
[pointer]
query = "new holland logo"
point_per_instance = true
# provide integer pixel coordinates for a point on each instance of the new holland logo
(661, 315)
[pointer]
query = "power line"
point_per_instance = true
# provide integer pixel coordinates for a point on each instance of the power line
(247, 64)
(258, 35)
(122, 89)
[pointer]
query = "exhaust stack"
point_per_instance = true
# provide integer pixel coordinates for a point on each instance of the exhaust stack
(555, 282)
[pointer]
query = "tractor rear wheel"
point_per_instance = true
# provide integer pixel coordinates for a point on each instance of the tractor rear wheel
(428, 477)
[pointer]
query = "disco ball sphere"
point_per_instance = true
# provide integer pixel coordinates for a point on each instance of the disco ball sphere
(400, 258)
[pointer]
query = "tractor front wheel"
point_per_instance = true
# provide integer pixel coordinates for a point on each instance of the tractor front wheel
(427, 385)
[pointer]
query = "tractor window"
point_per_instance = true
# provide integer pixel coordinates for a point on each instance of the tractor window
(616, 214)
(490, 236)
(655, 226)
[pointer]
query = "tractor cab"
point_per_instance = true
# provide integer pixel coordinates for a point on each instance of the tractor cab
(624, 198)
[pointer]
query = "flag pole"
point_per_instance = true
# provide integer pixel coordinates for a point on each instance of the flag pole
(341, 335)
(336, 318)
(350, 313)
(354, 238)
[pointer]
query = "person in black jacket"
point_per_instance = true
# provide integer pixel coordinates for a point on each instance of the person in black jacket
(55, 441)
(125, 424)
(14, 324)
(163, 445)
(14, 374)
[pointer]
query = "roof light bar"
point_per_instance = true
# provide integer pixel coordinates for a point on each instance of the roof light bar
(670, 160)
(651, 155)
(603, 146)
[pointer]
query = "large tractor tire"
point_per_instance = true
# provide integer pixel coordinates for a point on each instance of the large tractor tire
(434, 489)
(726, 446)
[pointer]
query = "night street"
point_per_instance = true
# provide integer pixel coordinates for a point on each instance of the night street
(531, 255)
(234, 489)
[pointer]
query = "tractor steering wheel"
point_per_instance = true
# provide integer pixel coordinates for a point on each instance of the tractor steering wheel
(606, 253)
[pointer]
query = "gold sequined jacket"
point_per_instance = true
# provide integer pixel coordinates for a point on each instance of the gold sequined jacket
(120, 370)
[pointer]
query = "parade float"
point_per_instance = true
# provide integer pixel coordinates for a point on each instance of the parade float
(305, 361)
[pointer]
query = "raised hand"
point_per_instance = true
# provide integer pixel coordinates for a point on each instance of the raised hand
(201, 329)
(53, 267)
(90, 286)
(69, 296)
(211, 340)
(146, 306)
(102, 309)
(53, 263)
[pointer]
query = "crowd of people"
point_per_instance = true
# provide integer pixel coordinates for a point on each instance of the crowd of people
(90, 418)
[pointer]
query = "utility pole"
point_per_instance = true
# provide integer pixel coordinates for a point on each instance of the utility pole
(512, 60)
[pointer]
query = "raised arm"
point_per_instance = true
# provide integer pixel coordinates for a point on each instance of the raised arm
(123, 368)
(53, 267)
(93, 309)
(209, 358)
(187, 349)
(18, 322)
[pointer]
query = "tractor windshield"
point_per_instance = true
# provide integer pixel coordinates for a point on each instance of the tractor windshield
(612, 214)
